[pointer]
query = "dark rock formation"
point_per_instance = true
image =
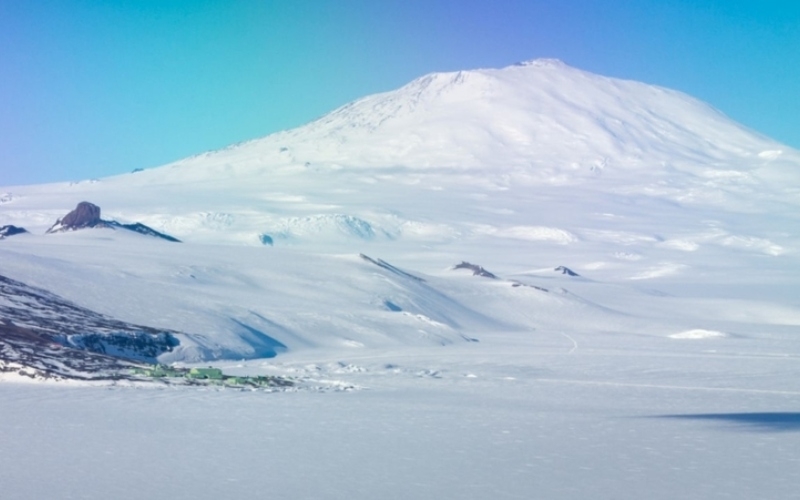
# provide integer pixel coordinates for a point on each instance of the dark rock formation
(11, 230)
(385, 265)
(44, 334)
(476, 270)
(516, 284)
(87, 215)
(140, 228)
(566, 270)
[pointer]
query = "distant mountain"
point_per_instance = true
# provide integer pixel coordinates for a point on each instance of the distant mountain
(370, 171)
(540, 114)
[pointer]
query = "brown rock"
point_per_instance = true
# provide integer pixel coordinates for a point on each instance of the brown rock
(85, 215)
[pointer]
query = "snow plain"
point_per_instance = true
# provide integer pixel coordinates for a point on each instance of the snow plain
(667, 369)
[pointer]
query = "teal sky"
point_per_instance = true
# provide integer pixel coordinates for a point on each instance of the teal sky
(91, 88)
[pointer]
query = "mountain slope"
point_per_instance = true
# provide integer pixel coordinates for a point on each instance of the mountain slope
(535, 130)
(537, 115)
(643, 191)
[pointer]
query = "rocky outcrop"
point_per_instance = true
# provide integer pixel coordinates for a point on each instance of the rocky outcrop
(43, 334)
(140, 228)
(87, 215)
(10, 230)
(566, 270)
(385, 265)
(476, 270)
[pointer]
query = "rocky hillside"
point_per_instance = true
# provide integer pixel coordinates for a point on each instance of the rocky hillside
(44, 336)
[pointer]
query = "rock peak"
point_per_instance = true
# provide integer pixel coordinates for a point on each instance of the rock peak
(85, 215)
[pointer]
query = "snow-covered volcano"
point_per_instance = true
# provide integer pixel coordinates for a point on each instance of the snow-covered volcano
(521, 170)
(537, 128)
(535, 115)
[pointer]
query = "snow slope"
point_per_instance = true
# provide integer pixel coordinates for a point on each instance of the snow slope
(527, 167)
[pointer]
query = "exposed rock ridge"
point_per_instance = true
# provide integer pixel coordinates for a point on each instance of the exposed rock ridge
(56, 320)
(11, 230)
(566, 270)
(87, 215)
(476, 270)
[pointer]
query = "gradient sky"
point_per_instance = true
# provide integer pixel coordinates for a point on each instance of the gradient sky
(91, 88)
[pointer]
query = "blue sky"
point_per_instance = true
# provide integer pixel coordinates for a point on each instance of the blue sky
(92, 88)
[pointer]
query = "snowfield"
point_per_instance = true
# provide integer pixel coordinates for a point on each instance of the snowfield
(526, 417)
(665, 365)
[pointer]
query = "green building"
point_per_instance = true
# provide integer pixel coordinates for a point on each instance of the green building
(205, 373)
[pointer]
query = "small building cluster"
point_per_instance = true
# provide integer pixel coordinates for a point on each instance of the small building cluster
(205, 374)
(213, 375)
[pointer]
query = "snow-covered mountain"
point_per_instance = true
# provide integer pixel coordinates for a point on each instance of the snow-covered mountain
(540, 118)
(654, 198)
(555, 284)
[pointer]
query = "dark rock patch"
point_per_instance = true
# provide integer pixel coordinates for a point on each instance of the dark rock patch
(140, 228)
(476, 270)
(31, 353)
(566, 270)
(66, 323)
(516, 284)
(11, 230)
(87, 215)
(385, 265)
(46, 336)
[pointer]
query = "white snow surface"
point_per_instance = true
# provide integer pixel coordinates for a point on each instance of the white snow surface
(667, 369)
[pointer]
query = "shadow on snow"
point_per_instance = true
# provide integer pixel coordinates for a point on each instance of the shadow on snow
(765, 421)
